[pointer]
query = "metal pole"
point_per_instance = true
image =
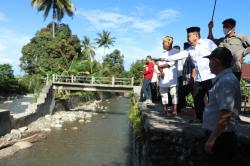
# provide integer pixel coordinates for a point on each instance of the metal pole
(215, 1)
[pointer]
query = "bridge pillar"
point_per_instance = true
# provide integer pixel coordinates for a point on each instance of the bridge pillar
(113, 81)
(132, 81)
(92, 80)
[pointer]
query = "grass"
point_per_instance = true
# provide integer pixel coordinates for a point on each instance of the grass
(135, 116)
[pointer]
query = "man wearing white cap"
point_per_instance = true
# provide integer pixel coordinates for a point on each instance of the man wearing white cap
(168, 76)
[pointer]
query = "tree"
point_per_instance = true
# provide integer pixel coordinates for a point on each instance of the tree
(59, 7)
(113, 64)
(135, 71)
(8, 83)
(105, 40)
(46, 55)
(88, 50)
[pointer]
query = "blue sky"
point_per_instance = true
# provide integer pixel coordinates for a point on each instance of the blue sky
(137, 25)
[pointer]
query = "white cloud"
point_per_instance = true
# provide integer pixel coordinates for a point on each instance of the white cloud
(113, 19)
(11, 43)
(2, 47)
(2, 17)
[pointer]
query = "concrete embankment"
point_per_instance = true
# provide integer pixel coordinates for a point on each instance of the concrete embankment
(44, 105)
(173, 141)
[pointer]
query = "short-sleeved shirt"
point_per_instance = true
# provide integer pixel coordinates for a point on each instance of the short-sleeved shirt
(224, 95)
(237, 44)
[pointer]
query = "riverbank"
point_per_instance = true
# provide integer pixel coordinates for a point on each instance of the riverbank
(38, 130)
(175, 141)
(104, 140)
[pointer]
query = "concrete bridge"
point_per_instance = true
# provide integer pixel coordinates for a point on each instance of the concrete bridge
(103, 84)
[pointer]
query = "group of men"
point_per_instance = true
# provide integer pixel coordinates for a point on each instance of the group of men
(211, 71)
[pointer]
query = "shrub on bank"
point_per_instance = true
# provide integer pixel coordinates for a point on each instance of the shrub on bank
(135, 116)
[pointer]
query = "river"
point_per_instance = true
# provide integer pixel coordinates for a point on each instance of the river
(16, 104)
(103, 142)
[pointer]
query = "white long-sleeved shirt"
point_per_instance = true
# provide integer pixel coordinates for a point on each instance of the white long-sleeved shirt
(170, 74)
(203, 48)
(155, 74)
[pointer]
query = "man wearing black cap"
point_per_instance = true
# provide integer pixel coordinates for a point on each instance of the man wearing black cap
(239, 45)
(220, 115)
(199, 48)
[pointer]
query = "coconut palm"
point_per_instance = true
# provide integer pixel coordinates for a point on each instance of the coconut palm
(59, 7)
(88, 50)
(105, 40)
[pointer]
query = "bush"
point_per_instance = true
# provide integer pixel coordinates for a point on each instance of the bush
(135, 116)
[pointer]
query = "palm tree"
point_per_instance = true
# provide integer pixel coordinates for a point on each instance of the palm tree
(59, 7)
(88, 50)
(105, 40)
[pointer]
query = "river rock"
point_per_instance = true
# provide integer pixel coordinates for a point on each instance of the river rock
(81, 121)
(25, 103)
(57, 125)
(6, 152)
(13, 135)
(48, 117)
(23, 129)
(46, 129)
(8, 102)
(88, 121)
(23, 145)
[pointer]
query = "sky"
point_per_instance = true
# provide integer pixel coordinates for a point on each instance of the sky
(138, 25)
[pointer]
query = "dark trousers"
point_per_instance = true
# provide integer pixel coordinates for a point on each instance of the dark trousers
(154, 91)
(145, 90)
(224, 150)
(183, 91)
(200, 91)
(237, 75)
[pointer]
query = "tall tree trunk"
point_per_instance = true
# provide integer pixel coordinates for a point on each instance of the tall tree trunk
(53, 28)
(54, 17)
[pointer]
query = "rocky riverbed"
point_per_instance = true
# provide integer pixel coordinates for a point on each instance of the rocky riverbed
(38, 130)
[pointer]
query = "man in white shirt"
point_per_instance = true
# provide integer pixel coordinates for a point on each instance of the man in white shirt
(168, 78)
(198, 50)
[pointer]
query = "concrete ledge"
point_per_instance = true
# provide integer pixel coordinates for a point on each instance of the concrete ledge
(174, 141)
(5, 122)
(44, 105)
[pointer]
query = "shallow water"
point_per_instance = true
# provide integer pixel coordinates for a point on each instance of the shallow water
(16, 104)
(103, 142)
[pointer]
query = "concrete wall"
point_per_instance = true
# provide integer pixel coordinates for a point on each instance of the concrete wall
(5, 122)
(174, 141)
(44, 105)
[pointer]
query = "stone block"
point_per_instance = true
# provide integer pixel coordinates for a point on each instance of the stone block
(5, 122)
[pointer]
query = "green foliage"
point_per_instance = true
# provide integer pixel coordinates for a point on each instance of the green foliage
(104, 40)
(190, 100)
(244, 91)
(135, 116)
(243, 83)
(8, 83)
(59, 7)
(113, 64)
(135, 71)
(47, 55)
(32, 84)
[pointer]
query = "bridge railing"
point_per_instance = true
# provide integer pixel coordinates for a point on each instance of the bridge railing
(113, 81)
